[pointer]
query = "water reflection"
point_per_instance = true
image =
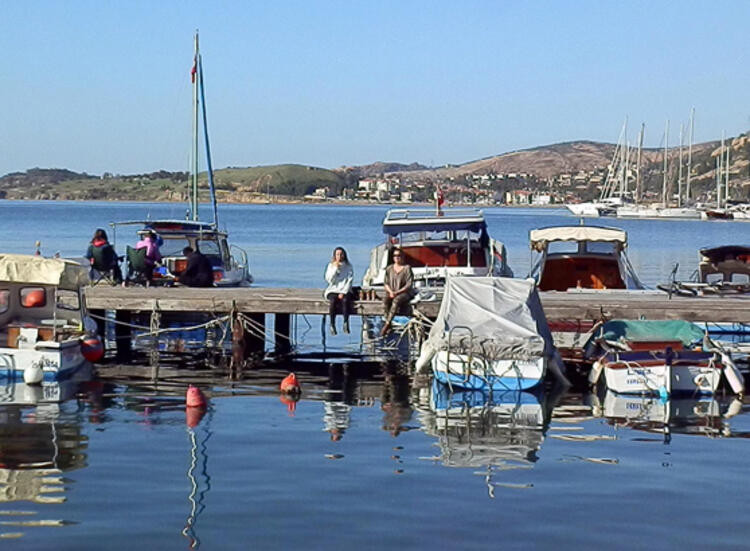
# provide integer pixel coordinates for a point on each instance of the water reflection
(701, 415)
(198, 431)
(496, 431)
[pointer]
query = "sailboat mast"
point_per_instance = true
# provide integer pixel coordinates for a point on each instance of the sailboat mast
(638, 163)
(726, 189)
(664, 180)
(719, 161)
(690, 153)
(679, 173)
(194, 187)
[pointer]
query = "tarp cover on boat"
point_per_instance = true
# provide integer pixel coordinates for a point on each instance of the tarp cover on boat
(22, 268)
(539, 238)
(650, 330)
(504, 316)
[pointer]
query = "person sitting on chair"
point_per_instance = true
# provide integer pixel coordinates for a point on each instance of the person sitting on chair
(199, 272)
(150, 243)
(102, 256)
(398, 288)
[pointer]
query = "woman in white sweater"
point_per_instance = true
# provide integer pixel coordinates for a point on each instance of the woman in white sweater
(339, 276)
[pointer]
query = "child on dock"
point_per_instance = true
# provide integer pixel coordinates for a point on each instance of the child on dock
(153, 255)
(339, 276)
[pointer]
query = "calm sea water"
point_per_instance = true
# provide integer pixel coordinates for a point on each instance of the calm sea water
(366, 460)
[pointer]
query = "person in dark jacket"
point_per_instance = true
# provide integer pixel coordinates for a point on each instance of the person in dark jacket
(102, 255)
(199, 272)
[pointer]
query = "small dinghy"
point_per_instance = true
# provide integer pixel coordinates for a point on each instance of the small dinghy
(490, 333)
(658, 357)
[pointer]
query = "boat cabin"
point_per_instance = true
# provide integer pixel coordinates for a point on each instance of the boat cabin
(582, 257)
(437, 244)
(728, 264)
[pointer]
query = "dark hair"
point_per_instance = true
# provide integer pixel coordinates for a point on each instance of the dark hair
(346, 257)
(187, 250)
(151, 234)
(397, 251)
(100, 234)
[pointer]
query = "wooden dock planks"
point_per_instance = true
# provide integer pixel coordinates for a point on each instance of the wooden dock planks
(584, 305)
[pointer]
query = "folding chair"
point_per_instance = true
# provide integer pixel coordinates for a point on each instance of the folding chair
(138, 270)
(105, 266)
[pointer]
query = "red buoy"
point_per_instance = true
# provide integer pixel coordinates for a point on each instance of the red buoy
(193, 416)
(92, 349)
(289, 385)
(194, 398)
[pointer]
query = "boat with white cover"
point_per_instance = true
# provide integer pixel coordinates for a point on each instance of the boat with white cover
(490, 333)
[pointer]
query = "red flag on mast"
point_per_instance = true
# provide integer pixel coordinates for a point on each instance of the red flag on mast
(194, 69)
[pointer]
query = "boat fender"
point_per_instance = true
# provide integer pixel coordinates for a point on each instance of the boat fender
(733, 375)
(290, 385)
(92, 349)
(33, 374)
(595, 373)
(194, 397)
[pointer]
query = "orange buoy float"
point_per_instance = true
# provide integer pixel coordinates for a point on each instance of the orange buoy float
(92, 349)
(194, 398)
(289, 385)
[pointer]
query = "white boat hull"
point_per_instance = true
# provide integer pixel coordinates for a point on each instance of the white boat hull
(57, 361)
(462, 371)
(632, 378)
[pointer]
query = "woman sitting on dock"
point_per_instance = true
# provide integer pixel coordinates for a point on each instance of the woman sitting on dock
(398, 288)
(102, 255)
(339, 276)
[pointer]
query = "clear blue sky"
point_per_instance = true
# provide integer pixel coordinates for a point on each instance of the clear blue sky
(104, 85)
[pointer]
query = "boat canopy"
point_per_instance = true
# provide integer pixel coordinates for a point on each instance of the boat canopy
(543, 236)
(650, 330)
(412, 220)
(492, 317)
(22, 268)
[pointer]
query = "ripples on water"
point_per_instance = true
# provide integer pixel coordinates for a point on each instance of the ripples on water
(365, 459)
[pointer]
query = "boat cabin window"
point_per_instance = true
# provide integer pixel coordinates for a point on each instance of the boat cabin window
(174, 246)
(212, 250)
(562, 247)
(601, 247)
(463, 235)
(4, 300)
(68, 300)
(33, 297)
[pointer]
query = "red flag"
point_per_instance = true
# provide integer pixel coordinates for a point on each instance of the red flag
(439, 197)
(194, 69)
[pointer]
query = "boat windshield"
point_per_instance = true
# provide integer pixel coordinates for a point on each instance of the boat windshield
(438, 235)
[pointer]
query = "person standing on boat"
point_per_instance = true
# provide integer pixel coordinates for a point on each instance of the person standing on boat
(199, 271)
(102, 255)
(339, 276)
(151, 244)
(398, 288)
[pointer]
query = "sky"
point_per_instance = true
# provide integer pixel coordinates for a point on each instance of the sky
(104, 85)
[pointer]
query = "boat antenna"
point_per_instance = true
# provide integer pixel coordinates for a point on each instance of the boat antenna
(208, 146)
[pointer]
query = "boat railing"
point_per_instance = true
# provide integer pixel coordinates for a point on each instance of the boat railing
(465, 365)
(423, 214)
(238, 257)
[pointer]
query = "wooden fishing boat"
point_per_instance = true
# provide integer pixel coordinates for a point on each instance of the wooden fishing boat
(45, 333)
(658, 357)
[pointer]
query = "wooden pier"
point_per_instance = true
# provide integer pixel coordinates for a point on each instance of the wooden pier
(583, 305)
(247, 309)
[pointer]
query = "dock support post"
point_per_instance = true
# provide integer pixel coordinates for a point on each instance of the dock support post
(239, 345)
(123, 334)
(101, 325)
(282, 340)
(256, 341)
